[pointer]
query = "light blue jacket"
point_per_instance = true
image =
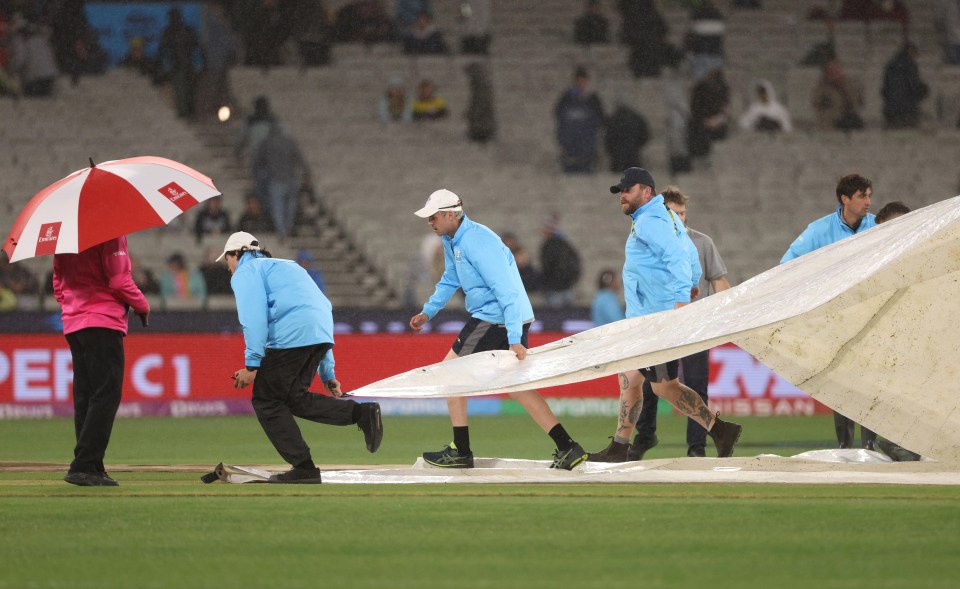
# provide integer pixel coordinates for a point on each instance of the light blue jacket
(476, 261)
(281, 307)
(825, 231)
(606, 307)
(662, 264)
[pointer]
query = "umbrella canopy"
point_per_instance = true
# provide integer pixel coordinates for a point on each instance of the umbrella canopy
(105, 201)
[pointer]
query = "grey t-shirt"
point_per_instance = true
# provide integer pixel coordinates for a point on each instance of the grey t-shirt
(710, 261)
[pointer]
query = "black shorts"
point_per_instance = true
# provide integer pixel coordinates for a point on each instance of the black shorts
(662, 372)
(480, 336)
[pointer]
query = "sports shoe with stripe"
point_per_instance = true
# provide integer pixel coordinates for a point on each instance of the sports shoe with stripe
(570, 458)
(449, 457)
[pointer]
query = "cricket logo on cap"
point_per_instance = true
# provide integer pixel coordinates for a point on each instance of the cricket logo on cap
(178, 196)
(47, 240)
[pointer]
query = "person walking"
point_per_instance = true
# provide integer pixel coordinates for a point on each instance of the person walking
(288, 331)
(477, 261)
(95, 291)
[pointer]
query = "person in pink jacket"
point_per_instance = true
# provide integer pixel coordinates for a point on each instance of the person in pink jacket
(96, 291)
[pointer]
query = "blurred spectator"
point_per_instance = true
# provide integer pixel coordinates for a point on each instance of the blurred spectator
(591, 26)
(75, 42)
(579, 116)
(474, 27)
(559, 265)
(678, 119)
(481, 113)
(528, 272)
(177, 282)
(428, 106)
(216, 276)
(16, 278)
(280, 171)
(423, 271)
(903, 90)
(825, 51)
(136, 59)
(395, 106)
(254, 220)
(870, 10)
(765, 112)
(268, 29)
(364, 21)
(313, 32)
(181, 60)
(305, 259)
(627, 133)
(406, 12)
(947, 21)
(32, 59)
(212, 220)
(221, 48)
(709, 113)
(705, 39)
(646, 32)
(254, 128)
(8, 85)
(424, 38)
(142, 276)
(606, 306)
(837, 99)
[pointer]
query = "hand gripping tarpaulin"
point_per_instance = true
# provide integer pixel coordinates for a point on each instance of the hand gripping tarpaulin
(867, 325)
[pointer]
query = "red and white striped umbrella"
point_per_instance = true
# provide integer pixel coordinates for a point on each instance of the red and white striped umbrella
(105, 201)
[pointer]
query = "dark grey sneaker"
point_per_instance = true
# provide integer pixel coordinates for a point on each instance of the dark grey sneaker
(89, 479)
(371, 425)
(697, 452)
(640, 447)
(569, 459)
(615, 452)
(896, 452)
(725, 435)
(297, 476)
(449, 457)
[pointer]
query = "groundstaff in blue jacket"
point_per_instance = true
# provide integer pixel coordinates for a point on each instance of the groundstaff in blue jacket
(477, 261)
(851, 217)
(288, 330)
(660, 273)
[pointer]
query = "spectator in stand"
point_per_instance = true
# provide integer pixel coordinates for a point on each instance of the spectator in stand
(474, 27)
(216, 276)
(709, 113)
(254, 128)
(212, 220)
(32, 59)
(364, 21)
(591, 26)
(824, 51)
(253, 219)
(705, 39)
(8, 86)
(136, 59)
(678, 122)
(481, 113)
(313, 32)
(428, 106)
(75, 42)
(947, 20)
(579, 117)
(626, 134)
(305, 259)
(406, 12)
(280, 172)
(395, 106)
(268, 29)
(178, 282)
(528, 272)
(646, 32)
(143, 277)
(221, 49)
(424, 38)
(17, 279)
(765, 112)
(181, 60)
(870, 10)
(606, 306)
(837, 99)
(559, 265)
(903, 90)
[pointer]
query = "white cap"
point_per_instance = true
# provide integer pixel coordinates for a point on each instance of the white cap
(241, 240)
(441, 200)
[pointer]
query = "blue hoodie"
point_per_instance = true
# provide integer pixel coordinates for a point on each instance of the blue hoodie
(281, 307)
(662, 264)
(823, 232)
(476, 260)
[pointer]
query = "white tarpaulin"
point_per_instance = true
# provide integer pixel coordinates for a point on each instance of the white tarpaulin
(867, 326)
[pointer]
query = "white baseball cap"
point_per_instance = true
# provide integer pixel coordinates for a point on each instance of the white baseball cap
(441, 200)
(241, 240)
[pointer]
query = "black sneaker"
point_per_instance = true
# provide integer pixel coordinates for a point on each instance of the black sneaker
(89, 479)
(449, 457)
(725, 435)
(640, 447)
(615, 452)
(371, 425)
(297, 476)
(896, 452)
(569, 459)
(696, 452)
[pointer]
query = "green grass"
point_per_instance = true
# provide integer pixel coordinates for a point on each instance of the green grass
(169, 530)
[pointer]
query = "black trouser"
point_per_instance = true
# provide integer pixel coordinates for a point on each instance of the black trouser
(97, 385)
(846, 432)
(281, 392)
(696, 375)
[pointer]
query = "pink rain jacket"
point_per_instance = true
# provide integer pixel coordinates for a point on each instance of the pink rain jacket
(95, 288)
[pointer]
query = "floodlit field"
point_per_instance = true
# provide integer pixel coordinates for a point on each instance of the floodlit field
(166, 529)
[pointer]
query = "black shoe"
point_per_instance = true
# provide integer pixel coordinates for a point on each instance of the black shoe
(870, 445)
(696, 452)
(297, 476)
(615, 452)
(640, 447)
(89, 479)
(725, 435)
(573, 456)
(371, 425)
(896, 452)
(449, 457)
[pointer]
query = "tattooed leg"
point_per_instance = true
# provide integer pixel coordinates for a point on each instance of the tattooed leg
(631, 401)
(686, 400)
